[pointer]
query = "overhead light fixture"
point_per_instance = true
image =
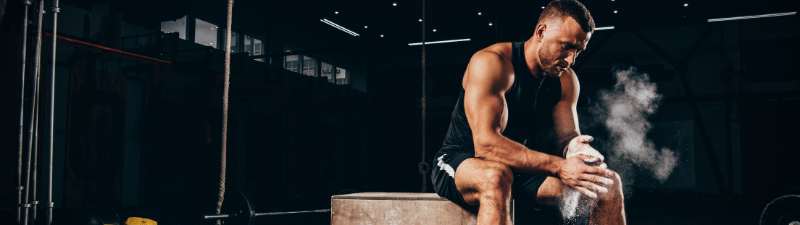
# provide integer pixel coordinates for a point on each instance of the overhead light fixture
(434, 30)
(479, 13)
(420, 20)
(381, 35)
(394, 4)
(365, 27)
(542, 7)
(752, 17)
(439, 42)
(337, 12)
(604, 28)
(685, 4)
(326, 21)
(490, 24)
(615, 11)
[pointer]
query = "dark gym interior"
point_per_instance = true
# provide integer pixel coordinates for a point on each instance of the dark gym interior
(325, 98)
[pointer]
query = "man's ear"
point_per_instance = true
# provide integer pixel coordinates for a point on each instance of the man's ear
(540, 31)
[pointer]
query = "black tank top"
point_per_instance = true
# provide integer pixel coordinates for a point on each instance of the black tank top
(530, 103)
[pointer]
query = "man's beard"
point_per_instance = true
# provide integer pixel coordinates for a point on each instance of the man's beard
(547, 62)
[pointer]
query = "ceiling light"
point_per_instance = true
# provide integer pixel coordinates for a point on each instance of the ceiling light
(479, 13)
(604, 28)
(612, 0)
(490, 24)
(381, 35)
(434, 30)
(752, 17)
(542, 7)
(685, 4)
(365, 27)
(337, 26)
(615, 11)
(420, 20)
(337, 12)
(394, 4)
(439, 42)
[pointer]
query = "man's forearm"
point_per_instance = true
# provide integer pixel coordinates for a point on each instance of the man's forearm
(501, 149)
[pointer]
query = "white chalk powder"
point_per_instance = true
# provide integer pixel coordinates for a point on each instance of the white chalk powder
(626, 108)
(624, 111)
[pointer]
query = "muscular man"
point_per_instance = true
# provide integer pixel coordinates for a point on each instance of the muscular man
(513, 91)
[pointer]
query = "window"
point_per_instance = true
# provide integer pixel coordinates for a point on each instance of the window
(341, 75)
(248, 44)
(327, 71)
(309, 66)
(291, 62)
(254, 46)
(205, 33)
(234, 42)
(173, 26)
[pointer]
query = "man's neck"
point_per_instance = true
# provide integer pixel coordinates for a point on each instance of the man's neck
(531, 58)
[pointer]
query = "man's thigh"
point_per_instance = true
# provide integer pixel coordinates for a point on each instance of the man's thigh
(531, 188)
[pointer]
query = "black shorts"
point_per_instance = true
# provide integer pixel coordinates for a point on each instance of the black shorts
(446, 162)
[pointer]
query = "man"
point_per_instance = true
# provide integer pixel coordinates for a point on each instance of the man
(512, 91)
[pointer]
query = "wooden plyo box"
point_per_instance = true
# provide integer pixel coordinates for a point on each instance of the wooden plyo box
(397, 208)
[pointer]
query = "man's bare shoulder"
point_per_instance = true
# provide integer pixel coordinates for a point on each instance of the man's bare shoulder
(501, 51)
(570, 87)
(491, 65)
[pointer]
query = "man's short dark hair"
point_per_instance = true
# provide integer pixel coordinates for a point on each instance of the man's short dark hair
(571, 8)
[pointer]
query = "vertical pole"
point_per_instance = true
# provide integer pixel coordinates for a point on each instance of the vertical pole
(225, 107)
(35, 156)
(38, 53)
(22, 112)
(49, 198)
(423, 166)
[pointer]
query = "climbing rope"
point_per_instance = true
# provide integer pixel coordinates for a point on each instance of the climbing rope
(423, 166)
(225, 108)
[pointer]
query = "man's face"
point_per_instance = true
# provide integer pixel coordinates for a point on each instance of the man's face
(561, 43)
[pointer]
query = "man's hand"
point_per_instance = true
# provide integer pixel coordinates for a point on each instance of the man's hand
(585, 178)
(580, 146)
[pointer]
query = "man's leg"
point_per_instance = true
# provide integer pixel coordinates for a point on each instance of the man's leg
(610, 208)
(488, 184)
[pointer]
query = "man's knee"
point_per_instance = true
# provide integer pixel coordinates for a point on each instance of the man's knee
(615, 190)
(496, 179)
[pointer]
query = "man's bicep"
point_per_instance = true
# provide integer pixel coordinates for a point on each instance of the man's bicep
(484, 87)
(565, 118)
(565, 115)
(485, 111)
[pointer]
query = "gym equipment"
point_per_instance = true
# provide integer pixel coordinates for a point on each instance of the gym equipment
(784, 210)
(238, 209)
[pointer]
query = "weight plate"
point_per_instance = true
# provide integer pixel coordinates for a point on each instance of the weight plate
(783, 210)
(240, 204)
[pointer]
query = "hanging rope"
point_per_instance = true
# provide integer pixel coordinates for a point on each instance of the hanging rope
(423, 166)
(225, 108)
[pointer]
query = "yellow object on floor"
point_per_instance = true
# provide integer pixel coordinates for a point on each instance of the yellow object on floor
(139, 221)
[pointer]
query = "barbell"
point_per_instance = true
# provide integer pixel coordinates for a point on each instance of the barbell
(239, 209)
(784, 210)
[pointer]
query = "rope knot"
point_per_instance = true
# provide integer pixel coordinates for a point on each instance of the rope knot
(423, 168)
